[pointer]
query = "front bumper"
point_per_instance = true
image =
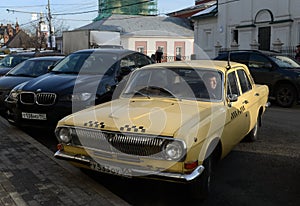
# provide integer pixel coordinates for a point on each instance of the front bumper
(166, 176)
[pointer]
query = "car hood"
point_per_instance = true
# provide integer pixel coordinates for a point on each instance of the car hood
(60, 83)
(9, 82)
(166, 117)
(4, 70)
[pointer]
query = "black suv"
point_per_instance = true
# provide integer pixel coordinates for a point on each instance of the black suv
(82, 79)
(279, 72)
(11, 60)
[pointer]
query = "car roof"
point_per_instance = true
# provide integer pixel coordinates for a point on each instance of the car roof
(252, 51)
(46, 58)
(36, 54)
(214, 64)
(107, 50)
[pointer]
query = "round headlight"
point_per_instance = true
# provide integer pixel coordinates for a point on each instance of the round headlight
(174, 150)
(64, 135)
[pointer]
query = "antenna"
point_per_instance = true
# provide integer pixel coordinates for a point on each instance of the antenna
(228, 61)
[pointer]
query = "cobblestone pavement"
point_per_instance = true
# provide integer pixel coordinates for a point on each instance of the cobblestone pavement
(29, 175)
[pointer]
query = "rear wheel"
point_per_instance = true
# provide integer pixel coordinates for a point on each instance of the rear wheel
(285, 95)
(253, 134)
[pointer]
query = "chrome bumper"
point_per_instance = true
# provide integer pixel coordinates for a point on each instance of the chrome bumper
(138, 172)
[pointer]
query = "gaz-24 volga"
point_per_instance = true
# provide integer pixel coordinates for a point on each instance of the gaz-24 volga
(171, 121)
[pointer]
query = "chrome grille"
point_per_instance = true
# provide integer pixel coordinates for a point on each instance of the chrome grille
(118, 143)
(27, 97)
(39, 98)
(45, 98)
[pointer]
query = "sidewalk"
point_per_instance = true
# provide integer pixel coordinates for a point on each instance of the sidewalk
(30, 175)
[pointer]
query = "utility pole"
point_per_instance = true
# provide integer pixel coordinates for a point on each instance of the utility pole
(50, 25)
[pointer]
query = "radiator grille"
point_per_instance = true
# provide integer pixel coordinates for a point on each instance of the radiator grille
(118, 143)
(39, 98)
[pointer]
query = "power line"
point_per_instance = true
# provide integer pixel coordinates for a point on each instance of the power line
(83, 12)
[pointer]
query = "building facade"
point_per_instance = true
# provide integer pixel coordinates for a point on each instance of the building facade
(146, 34)
(247, 24)
(7, 32)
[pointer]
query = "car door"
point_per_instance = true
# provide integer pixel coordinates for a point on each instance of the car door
(236, 119)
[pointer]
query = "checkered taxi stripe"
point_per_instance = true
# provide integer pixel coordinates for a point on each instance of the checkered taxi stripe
(94, 124)
(128, 128)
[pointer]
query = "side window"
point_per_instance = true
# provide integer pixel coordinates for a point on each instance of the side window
(259, 61)
(141, 60)
(232, 85)
(242, 58)
(127, 62)
(244, 81)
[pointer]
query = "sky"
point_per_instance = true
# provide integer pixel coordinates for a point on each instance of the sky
(22, 11)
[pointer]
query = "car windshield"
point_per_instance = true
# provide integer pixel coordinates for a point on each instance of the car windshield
(90, 63)
(179, 83)
(284, 61)
(31, 68)
(12, 60)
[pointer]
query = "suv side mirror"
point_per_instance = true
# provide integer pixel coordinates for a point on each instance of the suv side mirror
(268, 65)
(125, 70)
(50, 68)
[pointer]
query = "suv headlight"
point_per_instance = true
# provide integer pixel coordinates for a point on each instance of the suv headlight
(64, 134)
(174, 150)
(77, 97)
(13, 96)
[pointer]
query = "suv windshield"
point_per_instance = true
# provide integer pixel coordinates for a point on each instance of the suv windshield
(12, 60)
(284, 61)
(91, 63)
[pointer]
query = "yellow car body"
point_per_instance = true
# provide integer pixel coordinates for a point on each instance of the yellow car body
(169, 137)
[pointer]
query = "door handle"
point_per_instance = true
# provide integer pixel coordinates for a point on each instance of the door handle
(245, 102)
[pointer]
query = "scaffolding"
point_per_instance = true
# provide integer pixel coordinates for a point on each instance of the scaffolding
(128, 7)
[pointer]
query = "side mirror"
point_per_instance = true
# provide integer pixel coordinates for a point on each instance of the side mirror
(125, 70)
(268, 65)
(232, 97)
(50, 68)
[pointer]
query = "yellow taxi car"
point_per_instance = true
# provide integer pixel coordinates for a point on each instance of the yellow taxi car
(172, 121)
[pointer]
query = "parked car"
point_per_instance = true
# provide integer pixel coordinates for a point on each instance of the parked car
(23, 72)
(82, 79)
(166, 124)
(279, 72)
(12, 59)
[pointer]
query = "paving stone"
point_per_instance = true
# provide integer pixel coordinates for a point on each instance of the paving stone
(29, 175)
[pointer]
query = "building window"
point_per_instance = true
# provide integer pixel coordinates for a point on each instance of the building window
(235, 36)
(207, 38)
(141, 49)
(178, 51)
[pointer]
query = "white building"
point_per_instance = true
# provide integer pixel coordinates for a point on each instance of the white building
(247, 24)
(146, 34)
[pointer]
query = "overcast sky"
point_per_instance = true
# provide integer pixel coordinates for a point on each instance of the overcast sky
(24, 10)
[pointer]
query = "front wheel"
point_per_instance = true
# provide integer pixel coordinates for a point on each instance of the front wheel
(200, 187)
(285, 95)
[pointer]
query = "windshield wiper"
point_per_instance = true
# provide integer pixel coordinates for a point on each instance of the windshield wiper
(138, 92)
(66, 72)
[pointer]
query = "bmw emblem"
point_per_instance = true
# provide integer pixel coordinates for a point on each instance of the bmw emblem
(38, 90)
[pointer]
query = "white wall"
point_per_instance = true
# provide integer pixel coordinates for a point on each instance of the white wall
(234, 14)
(129, 43)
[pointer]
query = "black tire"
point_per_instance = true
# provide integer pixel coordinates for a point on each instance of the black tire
(285, 95)
(200, 187)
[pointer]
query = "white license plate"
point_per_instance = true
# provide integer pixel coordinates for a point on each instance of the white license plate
(37, 116)
(110, 169)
